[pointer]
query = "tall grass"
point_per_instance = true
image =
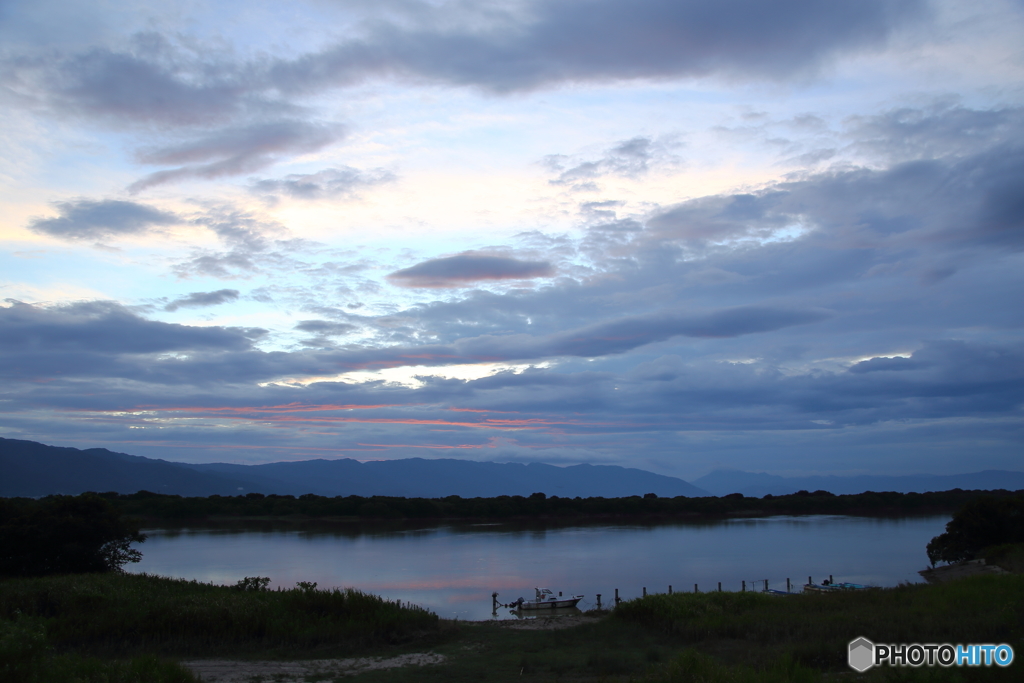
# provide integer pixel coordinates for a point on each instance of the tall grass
(694, 667)
(816, 629)
(26, 657)
(130, 613)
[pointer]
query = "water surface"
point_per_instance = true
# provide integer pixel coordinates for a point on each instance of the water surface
(453, 569)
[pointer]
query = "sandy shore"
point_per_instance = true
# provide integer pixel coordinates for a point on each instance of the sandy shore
(952, 572)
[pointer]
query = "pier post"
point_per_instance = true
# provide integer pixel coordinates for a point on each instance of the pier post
(598, 601)
(744, 589)
(645, 591)
(670, 589)
(719, 586)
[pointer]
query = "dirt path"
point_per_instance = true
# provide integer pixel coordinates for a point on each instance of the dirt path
(544, 623)
(232, 671)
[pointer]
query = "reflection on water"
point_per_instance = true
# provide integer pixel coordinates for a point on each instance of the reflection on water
(453, 569)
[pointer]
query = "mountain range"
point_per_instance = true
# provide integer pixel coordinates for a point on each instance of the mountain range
(34, 469)
(28, 468)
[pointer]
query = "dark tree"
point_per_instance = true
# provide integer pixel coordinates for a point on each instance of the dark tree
(65, 535)
(982, 523)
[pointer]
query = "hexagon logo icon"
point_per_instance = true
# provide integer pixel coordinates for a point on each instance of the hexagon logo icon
(861, 655)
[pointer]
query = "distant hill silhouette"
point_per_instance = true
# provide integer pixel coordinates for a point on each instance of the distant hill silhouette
(34, 469)
(758, 484)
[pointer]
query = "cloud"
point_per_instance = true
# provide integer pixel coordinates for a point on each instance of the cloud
(201, 299)
(330, 182)
(153, 81)
(254, 244)
(325, 328)
(236, 150)
(87, 219)
(465, 269)
(974, 200)
(629, 159)
(545, 43)
(939, 131)
(224, 265)
(601, 40)
(106, 328)
(627, 333)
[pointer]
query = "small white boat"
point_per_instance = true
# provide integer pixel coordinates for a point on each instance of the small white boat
(546, 600)
(830, 587)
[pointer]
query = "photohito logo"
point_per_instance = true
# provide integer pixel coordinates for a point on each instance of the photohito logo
(863, 654)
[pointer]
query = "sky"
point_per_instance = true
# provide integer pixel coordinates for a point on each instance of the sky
(678, 235)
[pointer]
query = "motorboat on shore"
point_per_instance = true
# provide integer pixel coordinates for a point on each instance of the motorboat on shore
(545, 600)
(835, 587)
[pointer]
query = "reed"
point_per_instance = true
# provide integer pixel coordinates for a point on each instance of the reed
(126, 613)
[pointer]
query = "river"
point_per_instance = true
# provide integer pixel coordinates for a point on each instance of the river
(452, 569)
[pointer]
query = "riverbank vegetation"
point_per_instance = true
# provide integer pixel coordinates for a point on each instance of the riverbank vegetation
(131, 614)
(982, 523)
(105, 626)
(126, 628)
(156, 509)
(137, 623)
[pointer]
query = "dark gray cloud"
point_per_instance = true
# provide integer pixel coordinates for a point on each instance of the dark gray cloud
(934, 132)
(328, 183)
(960, 201)
(153, 81)
(624, 334)
(88, 219)
(236, 150)
(545, 43)
(465, 269)
(600, 40)
(324, 332)
(202, 299)
(106, 328)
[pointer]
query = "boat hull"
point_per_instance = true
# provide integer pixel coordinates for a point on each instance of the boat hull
(836, 588)
(560, 603)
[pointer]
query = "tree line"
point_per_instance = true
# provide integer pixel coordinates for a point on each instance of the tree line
(94, 532)
(155, 507)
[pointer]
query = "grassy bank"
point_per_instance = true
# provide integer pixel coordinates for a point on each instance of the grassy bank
(685, 637)
(744, 637)
(814, 630)
(125, 614)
